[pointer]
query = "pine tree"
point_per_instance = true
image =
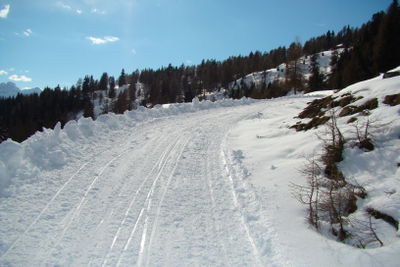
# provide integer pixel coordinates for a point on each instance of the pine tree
(316, 81)
(132, 92)
(122, 104)
(103, 84)
(122, 79)
(86, 87)
(111, 90)
(293, 75)
(88, 110)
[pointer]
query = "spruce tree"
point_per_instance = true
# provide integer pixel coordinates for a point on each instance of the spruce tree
(88, 110)
(316, 81)
(103, 84)
(122, 79)
(293, 75)
(111, 90)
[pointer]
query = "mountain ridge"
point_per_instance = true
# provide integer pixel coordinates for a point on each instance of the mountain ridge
(10, 89)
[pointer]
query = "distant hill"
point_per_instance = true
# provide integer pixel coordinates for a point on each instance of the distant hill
(9, 89)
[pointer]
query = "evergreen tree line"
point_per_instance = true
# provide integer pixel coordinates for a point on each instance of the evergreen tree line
(368, 50)
(23, 115)
(374, 49)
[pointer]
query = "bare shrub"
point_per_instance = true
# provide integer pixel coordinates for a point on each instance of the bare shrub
(310, 194)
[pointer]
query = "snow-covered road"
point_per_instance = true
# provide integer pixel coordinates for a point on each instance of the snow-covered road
(161, 193)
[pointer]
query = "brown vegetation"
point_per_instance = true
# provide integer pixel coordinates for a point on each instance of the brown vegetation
(392, 100)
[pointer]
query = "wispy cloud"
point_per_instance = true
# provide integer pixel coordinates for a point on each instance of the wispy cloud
(21, 78)
(27, 32)
(3, 72)
(64, 6)
(97, 11)
(69, 8)
(4, 11)
(98, 40)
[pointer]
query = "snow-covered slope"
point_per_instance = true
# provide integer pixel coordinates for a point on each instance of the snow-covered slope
(278, 73)
(204, 184)
(10, 89)
(35, 90)
(273, 156)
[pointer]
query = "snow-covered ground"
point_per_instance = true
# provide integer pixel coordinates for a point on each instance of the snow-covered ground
(272, 156)
(203, 184)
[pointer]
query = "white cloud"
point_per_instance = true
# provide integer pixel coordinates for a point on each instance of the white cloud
(64, 6)
(4, 11)
(106, 39)
(3, 72)
(97, 11)
(21, 78)
(69, 8)
(27, 32)
(133, 51)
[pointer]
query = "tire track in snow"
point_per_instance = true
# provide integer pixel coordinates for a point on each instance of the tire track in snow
(145, 254)
(77, 209)
(43, 211)
(51, 201)
(131, 202)
(153, 230)
(213, 204)
(161, 162)
(238, 207)
(149, 200)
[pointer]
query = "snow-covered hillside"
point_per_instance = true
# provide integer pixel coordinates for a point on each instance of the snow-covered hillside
(202, 183)
(273, 156)
(10, 89)
(278, 73)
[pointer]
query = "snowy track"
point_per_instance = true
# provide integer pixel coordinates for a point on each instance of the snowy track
(164, 193)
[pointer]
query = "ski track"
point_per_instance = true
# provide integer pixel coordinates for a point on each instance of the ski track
(163, 194)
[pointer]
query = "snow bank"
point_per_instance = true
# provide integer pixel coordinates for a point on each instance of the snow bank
(48, 150)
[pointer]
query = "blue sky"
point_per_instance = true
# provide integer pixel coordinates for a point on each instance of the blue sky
(50, 42)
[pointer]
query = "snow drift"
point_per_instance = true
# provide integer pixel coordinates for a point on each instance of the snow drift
(48, 150)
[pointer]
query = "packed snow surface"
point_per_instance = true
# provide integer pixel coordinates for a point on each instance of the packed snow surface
(198, 184)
